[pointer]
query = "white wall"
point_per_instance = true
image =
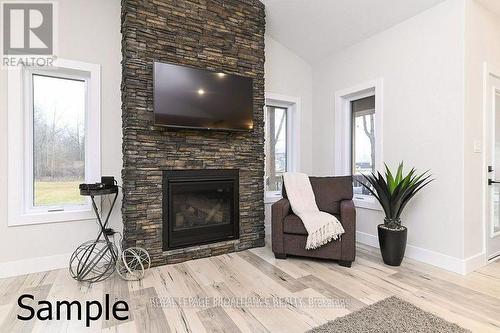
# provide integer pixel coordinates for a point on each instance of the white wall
(89, 30)
(482, 38)
(288, 74)
(421, 61)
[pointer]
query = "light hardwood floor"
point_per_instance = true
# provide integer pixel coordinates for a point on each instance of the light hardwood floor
(472, 301)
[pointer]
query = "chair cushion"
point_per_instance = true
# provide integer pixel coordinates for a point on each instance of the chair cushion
(292, 224)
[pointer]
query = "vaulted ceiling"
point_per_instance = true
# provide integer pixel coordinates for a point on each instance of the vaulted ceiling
(313, 29)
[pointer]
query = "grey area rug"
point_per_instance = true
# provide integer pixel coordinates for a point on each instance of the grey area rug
(389, 315)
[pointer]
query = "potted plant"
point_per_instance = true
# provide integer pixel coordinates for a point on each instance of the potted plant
(393, 193)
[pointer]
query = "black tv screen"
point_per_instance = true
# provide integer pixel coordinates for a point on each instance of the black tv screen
(194, 98)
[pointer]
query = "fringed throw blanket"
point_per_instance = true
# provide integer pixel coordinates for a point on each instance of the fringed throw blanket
(321, 227)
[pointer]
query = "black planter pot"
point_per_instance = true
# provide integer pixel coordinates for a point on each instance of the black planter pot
(392, 244)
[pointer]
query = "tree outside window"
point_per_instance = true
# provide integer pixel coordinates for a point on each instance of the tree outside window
(276, 148)
(363, 140)
(58, 140)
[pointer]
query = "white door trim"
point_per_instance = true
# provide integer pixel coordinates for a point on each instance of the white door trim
(488, 70)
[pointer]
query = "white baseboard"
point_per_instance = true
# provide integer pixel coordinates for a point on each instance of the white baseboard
(364, 238)
(33, 265)
(474, 262)
(453, 264)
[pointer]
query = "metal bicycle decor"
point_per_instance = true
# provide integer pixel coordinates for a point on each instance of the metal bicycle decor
(96, 260)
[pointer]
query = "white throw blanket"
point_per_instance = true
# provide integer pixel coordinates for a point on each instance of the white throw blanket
(321, 227)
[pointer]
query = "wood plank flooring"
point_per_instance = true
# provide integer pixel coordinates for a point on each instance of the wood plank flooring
(196, 296)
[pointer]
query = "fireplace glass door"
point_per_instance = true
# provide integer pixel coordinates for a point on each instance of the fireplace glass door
(200, 207)
(201, 204)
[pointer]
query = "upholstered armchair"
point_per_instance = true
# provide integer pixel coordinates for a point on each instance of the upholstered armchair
(334, 196)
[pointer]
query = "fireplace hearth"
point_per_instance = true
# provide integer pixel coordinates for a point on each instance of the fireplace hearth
(199, 207)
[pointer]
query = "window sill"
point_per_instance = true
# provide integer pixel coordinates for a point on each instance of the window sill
(52, 217)
(271, 198)
(366, 202)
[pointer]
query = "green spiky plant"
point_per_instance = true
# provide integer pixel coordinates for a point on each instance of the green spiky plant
(394, 192)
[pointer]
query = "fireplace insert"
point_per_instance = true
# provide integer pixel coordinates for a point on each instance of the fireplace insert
(199, 207)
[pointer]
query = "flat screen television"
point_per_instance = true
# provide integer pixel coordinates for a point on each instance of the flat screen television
(192, 98)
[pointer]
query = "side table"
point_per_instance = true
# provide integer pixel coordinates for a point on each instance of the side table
(95, 260)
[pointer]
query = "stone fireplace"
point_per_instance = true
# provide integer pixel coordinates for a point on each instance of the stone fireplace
(226, 36)
(200, 207)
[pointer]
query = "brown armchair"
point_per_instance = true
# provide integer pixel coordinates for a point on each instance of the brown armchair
(334, 196)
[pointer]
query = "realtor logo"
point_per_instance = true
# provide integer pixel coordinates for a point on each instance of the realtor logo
(28, 28)
(28, 33)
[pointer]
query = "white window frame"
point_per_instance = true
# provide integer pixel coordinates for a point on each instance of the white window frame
(343, 129)
(293, 121)
(20, 132)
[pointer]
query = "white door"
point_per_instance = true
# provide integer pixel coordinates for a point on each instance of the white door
(493, 158)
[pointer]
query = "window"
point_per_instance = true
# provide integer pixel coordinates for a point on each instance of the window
(363, 141)
(54, 135)
(282, 142)
(59, 107)
(358, 136)
(276, 148)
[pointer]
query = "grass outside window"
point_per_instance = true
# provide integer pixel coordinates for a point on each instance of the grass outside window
(58, 193)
